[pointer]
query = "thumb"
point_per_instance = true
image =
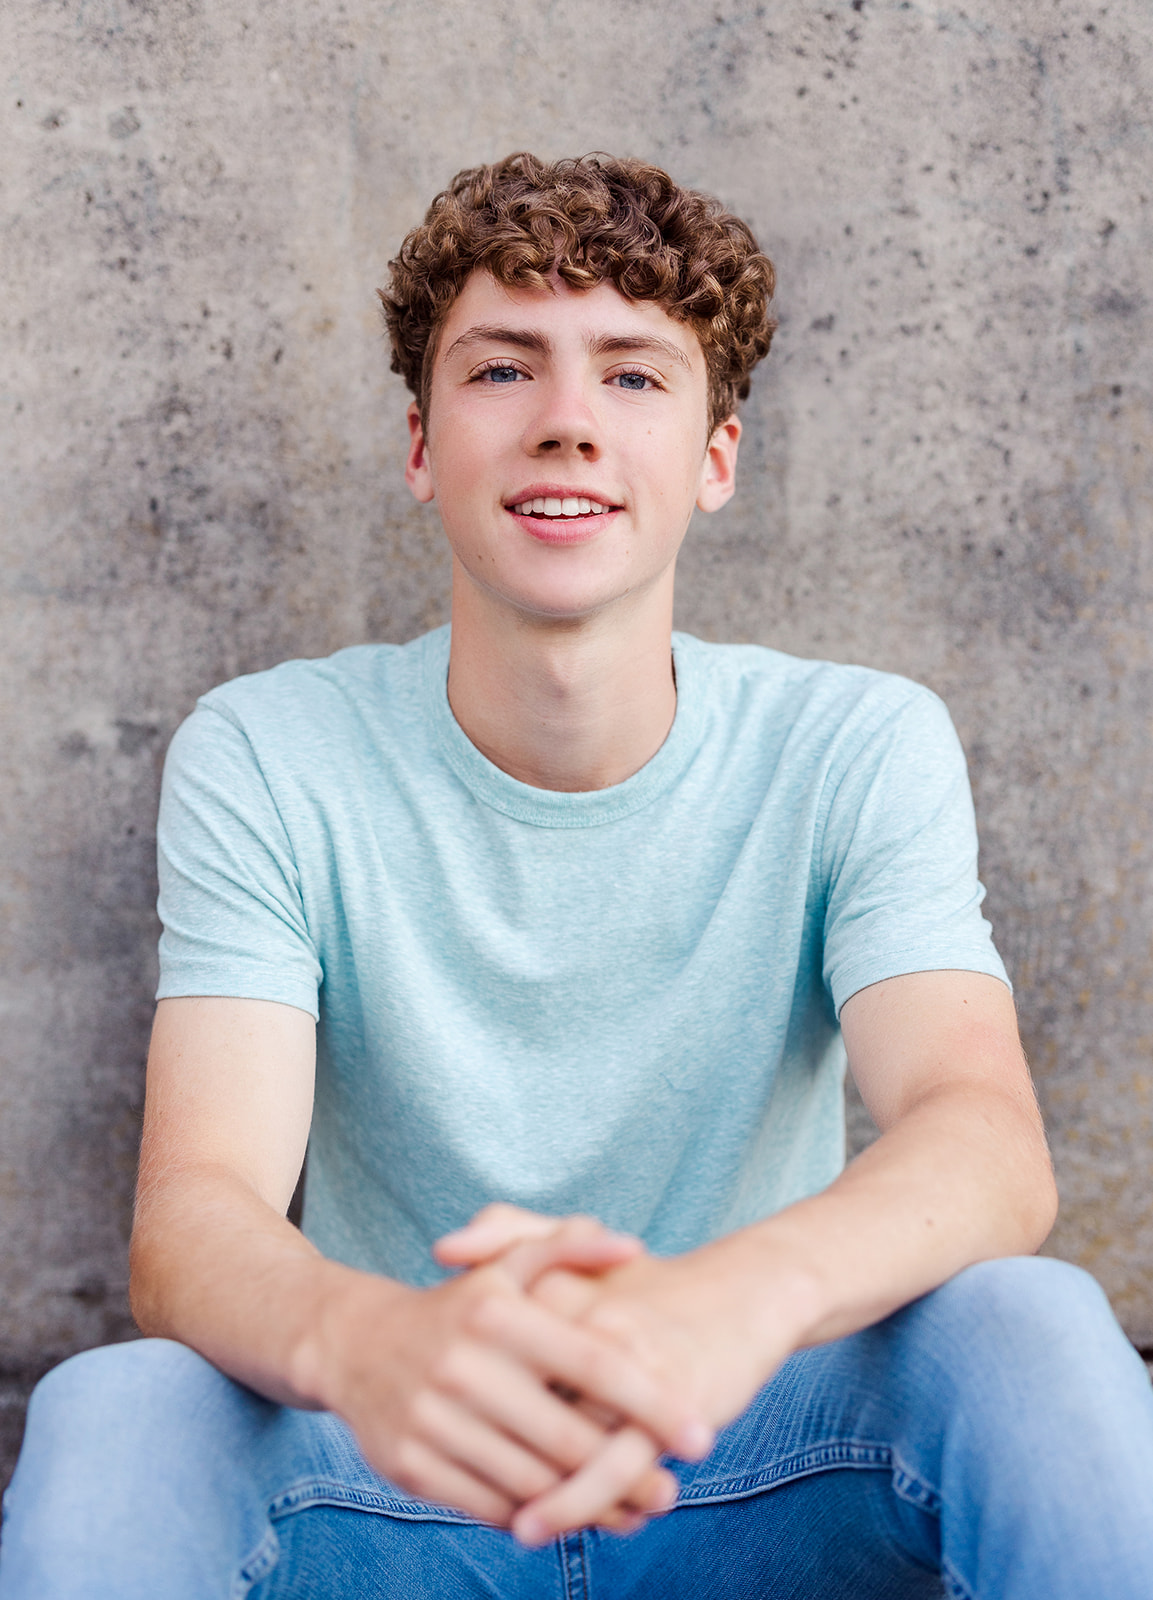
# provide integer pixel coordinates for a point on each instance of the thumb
(579, 1244)
(492, 1231)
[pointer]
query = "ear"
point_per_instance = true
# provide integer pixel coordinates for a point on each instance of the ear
(418, 468)
(719, 470)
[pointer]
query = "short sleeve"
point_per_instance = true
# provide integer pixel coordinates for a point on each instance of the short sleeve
(230, 895)
(899, 857)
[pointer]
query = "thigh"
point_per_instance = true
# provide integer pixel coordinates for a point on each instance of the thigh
(147, 1472)
(142, 1473)
(1006, 1407)
(839, 1532)
(333, 1552)
(836, 1533)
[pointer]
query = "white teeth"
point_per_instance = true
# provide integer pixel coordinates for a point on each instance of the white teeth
(552, 506)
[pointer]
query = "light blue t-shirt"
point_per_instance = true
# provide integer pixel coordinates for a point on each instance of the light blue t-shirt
(621, 1002)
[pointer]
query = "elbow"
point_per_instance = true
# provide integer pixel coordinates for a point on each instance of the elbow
(1040, 1204)
(144, 1299)
(139, 1298)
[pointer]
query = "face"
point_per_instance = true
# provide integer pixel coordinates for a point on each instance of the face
(566, 445)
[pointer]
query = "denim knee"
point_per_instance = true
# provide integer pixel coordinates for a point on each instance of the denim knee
(136, 1479)
(118, 1386)
(1029, 1302)
(1031, 1326)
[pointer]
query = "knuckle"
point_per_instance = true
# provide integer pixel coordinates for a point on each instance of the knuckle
(639, 1455)
(485, 1314)
(599, 1368)
(573, 1443)
(423, 1409)
(610, 1318)
(572, 1437)
(410, 1462)
(534, 1478)
(450, 1368)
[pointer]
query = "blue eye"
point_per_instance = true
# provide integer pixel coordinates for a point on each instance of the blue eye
(502, 374)
(633, 380)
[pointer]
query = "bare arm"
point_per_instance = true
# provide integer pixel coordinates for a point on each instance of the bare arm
(444, 1405)
(960, 1174)
(227, 1113)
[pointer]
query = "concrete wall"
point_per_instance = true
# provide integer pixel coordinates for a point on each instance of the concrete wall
(947, 471)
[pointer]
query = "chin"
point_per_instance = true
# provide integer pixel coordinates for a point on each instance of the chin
(555, 602)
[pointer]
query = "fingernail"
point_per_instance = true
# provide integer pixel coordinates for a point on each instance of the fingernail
(530, 1530)
(695, 1441)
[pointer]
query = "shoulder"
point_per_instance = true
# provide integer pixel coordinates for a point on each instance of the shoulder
(360, 676)
(307, 730)
(837, 707)
(304, 710)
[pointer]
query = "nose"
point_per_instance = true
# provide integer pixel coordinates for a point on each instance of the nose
(565, 422)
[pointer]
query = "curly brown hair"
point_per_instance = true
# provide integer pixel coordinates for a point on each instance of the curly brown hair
(587, 218)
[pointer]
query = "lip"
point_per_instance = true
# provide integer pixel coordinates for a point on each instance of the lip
(560, 491)
(563, 530)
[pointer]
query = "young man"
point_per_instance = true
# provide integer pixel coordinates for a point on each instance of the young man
(583, 910)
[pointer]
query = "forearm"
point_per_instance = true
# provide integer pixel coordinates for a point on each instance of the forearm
(962, 1177)
(447, 1390)
(216, 1267)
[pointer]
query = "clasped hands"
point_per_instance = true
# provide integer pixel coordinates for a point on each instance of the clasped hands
(537, 1388)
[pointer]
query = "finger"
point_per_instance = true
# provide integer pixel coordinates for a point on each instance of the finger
(593, 1366)
(495, 1392)
(494, 1229)
(459, 1435)
(569, 1294)
(579, 1244)
(510, 1234)
(508, 1396)
(423, 1471)
(622, 1521)
(582, 1499)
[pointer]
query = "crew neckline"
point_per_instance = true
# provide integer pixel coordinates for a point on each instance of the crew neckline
(553, 808)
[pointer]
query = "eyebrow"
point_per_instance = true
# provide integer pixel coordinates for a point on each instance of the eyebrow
(541, 344)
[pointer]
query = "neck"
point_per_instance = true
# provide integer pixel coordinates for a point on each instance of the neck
(567, 705)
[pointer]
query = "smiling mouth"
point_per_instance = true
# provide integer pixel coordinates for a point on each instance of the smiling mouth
(549, 507)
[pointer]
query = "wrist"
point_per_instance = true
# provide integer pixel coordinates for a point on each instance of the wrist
(783, 1299)
(346, 1316)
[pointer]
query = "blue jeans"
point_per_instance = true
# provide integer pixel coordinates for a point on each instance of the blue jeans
(994, 1439)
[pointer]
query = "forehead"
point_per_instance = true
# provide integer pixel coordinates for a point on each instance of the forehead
(562, 315)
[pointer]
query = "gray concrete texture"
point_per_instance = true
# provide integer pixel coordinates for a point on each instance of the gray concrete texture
(946, 472)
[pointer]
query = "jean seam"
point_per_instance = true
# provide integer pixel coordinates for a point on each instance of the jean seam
(574, 1566)
(914, 1489)
(805, 1463)
(257, 1565)
(957, 1588)
(331, 1492)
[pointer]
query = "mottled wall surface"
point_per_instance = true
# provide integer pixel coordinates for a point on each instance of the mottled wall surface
(946, 471)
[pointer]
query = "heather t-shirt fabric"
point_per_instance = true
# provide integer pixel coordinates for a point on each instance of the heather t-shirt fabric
(621, 1002)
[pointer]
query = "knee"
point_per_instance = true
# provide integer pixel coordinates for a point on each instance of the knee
(127, 1449)
(114, 1387)
(1030, 1297)
(1028, 1313)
